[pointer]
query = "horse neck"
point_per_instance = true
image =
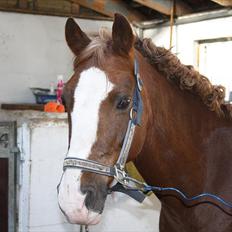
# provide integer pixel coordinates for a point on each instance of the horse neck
(174, 152)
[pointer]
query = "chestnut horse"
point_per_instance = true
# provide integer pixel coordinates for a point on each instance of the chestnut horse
(184, 140)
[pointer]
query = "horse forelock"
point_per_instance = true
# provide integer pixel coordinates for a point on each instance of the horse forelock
(96, 48)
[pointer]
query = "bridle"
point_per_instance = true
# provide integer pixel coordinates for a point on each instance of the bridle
(125, 183)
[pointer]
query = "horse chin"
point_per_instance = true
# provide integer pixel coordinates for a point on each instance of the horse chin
(83, 217)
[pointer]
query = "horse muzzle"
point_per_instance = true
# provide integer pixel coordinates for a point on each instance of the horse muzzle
(75, 209)
(82, 216)
(81, 203)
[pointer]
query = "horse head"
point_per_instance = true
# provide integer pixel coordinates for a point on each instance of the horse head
(99, 97)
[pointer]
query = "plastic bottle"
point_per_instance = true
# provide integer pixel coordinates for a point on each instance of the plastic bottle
(60, 86)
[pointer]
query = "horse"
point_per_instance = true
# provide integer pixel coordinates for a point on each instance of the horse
(183, 139)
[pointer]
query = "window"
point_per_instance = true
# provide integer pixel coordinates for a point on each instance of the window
(214, 60)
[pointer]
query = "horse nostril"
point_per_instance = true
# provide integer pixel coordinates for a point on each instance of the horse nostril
(85, 189)
(96, 194)
(90, 192)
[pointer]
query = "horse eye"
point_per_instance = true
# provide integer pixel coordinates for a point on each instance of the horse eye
(123, 103)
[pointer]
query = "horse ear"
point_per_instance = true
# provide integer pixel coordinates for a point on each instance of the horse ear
(122, 34)
(76, 39)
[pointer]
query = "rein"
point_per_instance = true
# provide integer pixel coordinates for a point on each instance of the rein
(126, 184)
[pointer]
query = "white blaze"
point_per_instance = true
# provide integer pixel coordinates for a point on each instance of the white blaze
(92, 89)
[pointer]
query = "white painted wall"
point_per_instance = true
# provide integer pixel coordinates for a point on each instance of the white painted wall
(33, 52)
(42, 139)
(186, 35)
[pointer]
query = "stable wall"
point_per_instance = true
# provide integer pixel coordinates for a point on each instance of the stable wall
(33, 52)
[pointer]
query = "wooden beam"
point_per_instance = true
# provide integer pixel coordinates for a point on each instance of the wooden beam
(223, 2)
(75, 8)
(23, 4)
(5, 6)
(8, 3)
(165, 6)
(53, 6)
(110, 7)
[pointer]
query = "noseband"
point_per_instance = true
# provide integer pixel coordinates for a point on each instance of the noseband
(117, 171)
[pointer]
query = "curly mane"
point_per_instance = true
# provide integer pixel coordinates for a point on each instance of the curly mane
(185, 76)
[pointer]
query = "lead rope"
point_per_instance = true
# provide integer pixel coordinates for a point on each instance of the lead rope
(84, 228)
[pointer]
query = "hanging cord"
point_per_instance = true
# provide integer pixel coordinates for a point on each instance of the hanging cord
(171, 23)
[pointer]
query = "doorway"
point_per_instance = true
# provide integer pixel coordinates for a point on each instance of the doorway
(7, 176)
(4, 195)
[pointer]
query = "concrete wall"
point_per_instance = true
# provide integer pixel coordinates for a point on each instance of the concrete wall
(33, 52)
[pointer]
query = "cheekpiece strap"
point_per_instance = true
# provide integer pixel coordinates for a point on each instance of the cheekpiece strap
(137, 98)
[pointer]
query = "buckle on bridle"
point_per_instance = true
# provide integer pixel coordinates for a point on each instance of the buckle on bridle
(120, 175)
(128, 182)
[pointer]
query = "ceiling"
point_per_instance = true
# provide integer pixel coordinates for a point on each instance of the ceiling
(134, 10)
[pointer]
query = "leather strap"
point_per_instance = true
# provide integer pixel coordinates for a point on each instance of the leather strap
(88, 166)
